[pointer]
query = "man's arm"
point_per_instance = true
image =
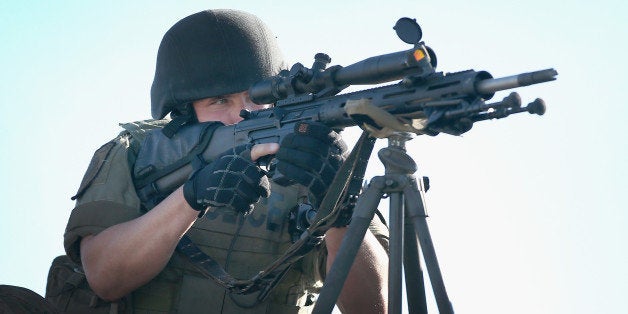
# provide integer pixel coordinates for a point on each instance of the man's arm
(123, 257)
(366, 287)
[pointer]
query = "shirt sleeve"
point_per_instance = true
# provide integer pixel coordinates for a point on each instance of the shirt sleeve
(106, 197)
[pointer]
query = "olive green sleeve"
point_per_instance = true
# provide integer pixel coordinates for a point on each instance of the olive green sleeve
(107, 200)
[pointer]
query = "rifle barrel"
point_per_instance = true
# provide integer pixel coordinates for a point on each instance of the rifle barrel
(490, 86)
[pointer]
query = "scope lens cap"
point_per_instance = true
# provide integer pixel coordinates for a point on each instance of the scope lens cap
(408, 30)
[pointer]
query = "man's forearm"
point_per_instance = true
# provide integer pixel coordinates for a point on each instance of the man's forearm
(123, 257)
(366, 287)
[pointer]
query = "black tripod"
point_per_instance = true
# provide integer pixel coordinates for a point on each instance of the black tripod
(408, 229)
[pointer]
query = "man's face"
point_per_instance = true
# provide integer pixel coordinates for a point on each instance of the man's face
(225, 108)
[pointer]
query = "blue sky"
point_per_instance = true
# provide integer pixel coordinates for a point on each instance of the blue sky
(526, 213)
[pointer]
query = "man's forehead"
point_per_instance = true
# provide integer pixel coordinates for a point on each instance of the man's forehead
(229, 95)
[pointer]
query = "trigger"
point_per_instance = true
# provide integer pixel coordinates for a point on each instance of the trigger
(266, 162)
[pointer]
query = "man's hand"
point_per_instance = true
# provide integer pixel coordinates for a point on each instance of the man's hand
(311, 156)
(232, 180)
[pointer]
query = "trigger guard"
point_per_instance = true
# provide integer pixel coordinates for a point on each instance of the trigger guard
(266, 163)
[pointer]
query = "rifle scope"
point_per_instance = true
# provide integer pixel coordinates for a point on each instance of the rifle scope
(374, 70)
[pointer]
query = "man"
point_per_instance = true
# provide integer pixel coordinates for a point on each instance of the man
(126, 243)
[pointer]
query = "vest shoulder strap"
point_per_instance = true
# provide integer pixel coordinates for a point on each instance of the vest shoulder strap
(138, 130)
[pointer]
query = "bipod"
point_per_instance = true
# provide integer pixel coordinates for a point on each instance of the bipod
(409, 235)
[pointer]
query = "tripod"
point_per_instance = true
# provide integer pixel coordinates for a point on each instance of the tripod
(408, 229)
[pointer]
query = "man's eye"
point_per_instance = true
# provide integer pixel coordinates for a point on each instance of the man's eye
(220, 101)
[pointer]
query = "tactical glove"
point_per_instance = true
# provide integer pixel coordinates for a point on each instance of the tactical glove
(311, 156)
(231, 181)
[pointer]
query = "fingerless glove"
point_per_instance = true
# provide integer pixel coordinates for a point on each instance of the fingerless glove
(231, 181)
(311, 156)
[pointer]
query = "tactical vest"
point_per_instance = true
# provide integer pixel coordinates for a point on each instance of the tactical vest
(242, 245)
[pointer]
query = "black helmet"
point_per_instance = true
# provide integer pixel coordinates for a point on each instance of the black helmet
(211, 53)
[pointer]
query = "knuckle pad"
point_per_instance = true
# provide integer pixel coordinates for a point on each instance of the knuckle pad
(294, 173)
(301, 159)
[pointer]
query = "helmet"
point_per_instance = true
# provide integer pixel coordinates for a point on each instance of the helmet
(211, 53)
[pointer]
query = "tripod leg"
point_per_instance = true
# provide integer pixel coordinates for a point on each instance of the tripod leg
(416, 213)
(407, 250)
(362, 215)
(396, 253)
(415, 283)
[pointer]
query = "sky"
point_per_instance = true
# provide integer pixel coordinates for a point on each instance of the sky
(526, 213)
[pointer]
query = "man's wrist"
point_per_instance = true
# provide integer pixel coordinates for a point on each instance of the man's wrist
(190, 197)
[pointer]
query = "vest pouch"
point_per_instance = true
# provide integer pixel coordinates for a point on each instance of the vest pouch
(68, 290)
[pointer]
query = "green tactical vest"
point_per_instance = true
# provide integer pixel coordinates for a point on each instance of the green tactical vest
(249, 243)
